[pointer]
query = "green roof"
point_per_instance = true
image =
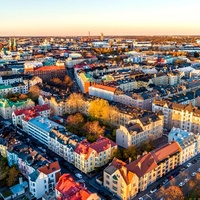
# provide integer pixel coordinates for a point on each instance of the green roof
(4, 102)
(2, 87)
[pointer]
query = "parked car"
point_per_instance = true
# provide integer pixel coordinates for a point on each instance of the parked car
(78, 175)
(189, 165)
(194, 161)
(186, 180)
(198, 170)
(170, 178)
(194, 174)
(165, 181)
(140, 198)
(181, 184)
(153, 190)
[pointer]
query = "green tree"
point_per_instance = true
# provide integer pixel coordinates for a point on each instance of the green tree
(12, 176)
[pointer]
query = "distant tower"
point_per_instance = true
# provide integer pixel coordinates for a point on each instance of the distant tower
(14, 45)
(102, 37)
(10, 44)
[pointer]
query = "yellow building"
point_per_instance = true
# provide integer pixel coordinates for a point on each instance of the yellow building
(185, 117)
(118, 179)
(88, 156)
(147, 168)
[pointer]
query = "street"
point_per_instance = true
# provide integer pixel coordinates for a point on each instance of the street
(180, 177)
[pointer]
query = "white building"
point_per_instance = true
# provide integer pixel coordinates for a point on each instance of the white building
(35, 111)
(40, 127)
(140, 130)
(102, 91)
(189, 142)
(44, 179)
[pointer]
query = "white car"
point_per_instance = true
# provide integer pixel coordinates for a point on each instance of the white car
(186, 180)
(140, 198)
(194, 174)
(189, 165)
(198, 170)
(152, 191)
(181, 184)
(78, 175)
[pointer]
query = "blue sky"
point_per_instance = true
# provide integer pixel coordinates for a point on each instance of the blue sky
(112, 17)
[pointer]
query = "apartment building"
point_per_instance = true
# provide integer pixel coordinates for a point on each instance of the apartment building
(62, 105)
(146, 128)
(7, 107)
(84, 80)
(63, 143)
(40, 127)
(44, 179)
(102, 91)
(47, 72)
(18, 115)
(189, 142)
(146, 169)
(119, 180)
(88, 156)
(68, 189)
(185, 117)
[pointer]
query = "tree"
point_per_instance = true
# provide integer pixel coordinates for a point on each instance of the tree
(23, 97)
(196, 54)
(75, 119)
(56, 81)
(75, 102)
(34, 92)
(113, 115)
(99, 109)
(12, 177)
(68, 81)
(130, 153)
(93, 128)
(172, 192)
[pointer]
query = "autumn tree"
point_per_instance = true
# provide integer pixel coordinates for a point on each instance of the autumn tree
(34, 92)
(68, 81)
(75, 102)
(75, 119)
(99, 109)
(113, 115)
(12, 176)
(23, 97)
(56, 81)
(94, 128)
(172, 192)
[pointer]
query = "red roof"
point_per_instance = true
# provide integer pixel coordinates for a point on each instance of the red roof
(104, 87)
(100, 145)
(150, 161)
(50, 168)
(71, 190)
(47, 68)
(34, 109)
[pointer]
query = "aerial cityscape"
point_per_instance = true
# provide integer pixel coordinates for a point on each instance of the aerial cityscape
(100, 100)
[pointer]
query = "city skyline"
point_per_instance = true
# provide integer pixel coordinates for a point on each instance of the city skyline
(113, 17)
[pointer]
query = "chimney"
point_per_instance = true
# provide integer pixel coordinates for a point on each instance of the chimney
(47, 165)
(20, 180)
(129, 160)
(139, 165)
